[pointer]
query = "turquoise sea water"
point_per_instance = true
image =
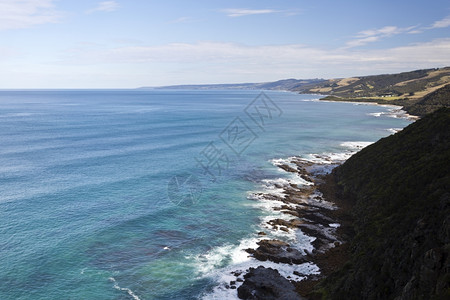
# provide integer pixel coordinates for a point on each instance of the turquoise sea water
(105, 194)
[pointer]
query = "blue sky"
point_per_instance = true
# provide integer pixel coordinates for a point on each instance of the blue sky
(133, 43)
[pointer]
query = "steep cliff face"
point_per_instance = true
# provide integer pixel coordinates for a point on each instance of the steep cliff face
(430, 103)
(399, 193)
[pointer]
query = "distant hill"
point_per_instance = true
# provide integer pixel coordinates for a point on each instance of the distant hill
(398, 191)
(285, 85)
(419, 92)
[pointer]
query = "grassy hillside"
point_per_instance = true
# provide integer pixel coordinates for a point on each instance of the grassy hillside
(407, 85)
(399, 193)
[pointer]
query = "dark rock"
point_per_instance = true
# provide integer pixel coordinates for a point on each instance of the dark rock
(289, 224)
(277, 251)
(262, 233)
(266, 284)
(288, 168)
(285, 229)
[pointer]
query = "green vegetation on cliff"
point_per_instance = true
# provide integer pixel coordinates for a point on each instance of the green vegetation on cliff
(399, 193)
(430, 103)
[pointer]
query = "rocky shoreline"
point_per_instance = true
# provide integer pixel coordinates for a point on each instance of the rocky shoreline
(304, 209)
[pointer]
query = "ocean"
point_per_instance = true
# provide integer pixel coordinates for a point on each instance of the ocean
(133, 194)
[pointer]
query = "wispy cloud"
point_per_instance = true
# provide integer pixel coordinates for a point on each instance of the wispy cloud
(7, 53)
(241, 12)
(214, 62)
(16, 14)
(218, 61)
(415, 31)
(181, 20)
(105, 6)
(369, 36)
(445, 22)
(373, 35)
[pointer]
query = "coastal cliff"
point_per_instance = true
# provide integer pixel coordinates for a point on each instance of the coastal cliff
(397, 196)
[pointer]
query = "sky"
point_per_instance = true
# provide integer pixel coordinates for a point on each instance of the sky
(134, 43)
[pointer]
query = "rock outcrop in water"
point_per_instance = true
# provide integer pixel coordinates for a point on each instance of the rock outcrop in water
(268, 284)
(278, 252)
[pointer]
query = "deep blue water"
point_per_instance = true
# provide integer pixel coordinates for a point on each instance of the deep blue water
(89, 206)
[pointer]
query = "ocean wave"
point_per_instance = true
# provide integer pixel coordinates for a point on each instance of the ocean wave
(394, 130)
(333, 158)
(358, 145)
(313, 100)
(117, 287)
(395, 112)
(20, 114)
(283, 161)
(327, 158)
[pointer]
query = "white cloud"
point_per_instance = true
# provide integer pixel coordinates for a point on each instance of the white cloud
(7, 53)
(94, 66)
(16, 14)
(416, 31)
(240, 12)
(181, 20)
(385, 31)
(369, 36)
(373, 35)
(441, 23)
(105, 6)
(230, 62)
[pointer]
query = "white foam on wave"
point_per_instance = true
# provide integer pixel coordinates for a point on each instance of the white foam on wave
(305, 241)
(271, 213)
(295, 178)
(394, 130)
(117, 287)
(265, 204)
(289, 236)
(20, 114)
(376, 114)
(328, 158)
(275, 186)
(393, 111)
(283, 161)
(313, 100)
(216, 258)
(357, 145)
